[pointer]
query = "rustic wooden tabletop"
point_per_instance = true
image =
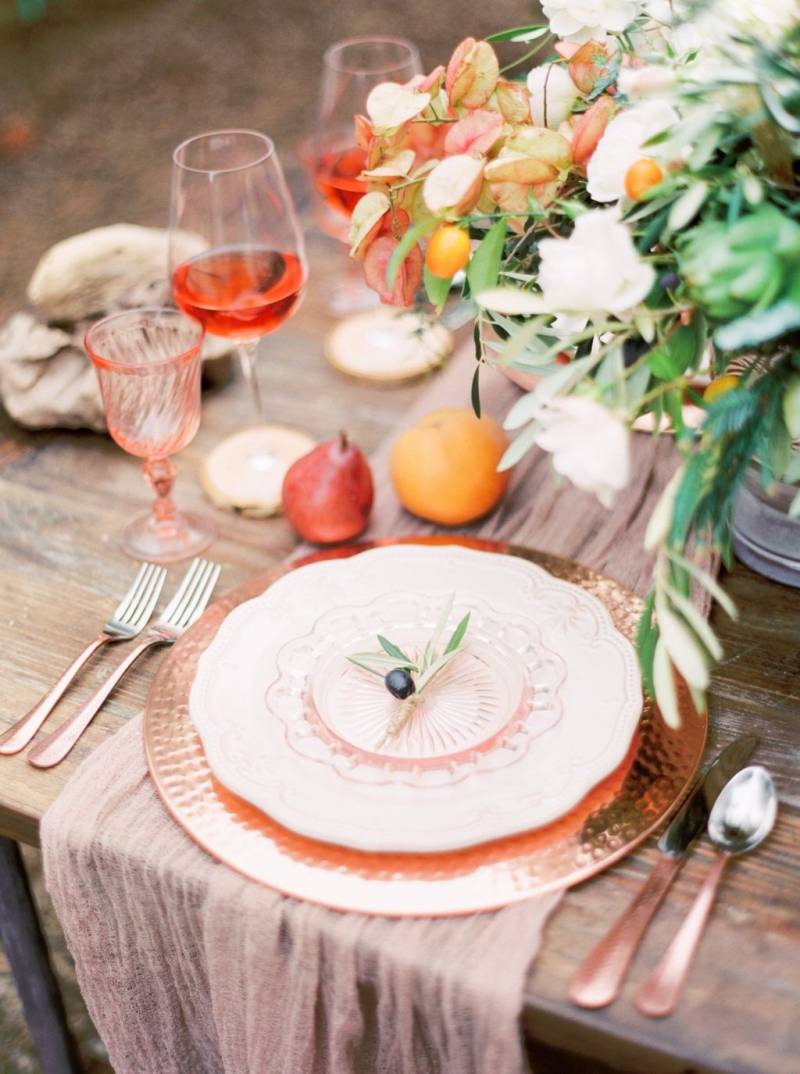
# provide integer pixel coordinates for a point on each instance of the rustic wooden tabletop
(65, 496)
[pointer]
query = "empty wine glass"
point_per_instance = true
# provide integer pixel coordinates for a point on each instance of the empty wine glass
(236, 251)
(350, 70)
(148, 365)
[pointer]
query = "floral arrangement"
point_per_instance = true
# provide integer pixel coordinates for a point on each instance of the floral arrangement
(627, 217)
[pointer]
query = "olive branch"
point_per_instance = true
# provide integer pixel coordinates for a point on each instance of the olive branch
(420, 670)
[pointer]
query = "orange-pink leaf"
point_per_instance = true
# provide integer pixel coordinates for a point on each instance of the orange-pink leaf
(428, 83)
(408, 277)
(514, 101)
(589, 129)
(472, 73)
(588, 65)
(474, 134)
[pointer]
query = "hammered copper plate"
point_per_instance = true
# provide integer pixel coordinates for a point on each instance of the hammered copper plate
(617, 815)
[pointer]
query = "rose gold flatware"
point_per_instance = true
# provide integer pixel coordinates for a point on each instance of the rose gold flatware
(128, 620)
(741, 819)
(600, 975)
(185, 607)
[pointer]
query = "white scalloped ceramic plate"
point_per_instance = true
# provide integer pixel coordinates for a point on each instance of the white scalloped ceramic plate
(539, 706)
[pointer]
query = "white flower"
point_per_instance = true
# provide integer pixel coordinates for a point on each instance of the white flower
(589, 20)
(553, 93)
(588, 443)
(652, 80)
(596, 270)
(623, 143)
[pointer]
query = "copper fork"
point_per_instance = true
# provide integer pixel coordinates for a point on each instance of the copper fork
(129, 619)
(186, 606)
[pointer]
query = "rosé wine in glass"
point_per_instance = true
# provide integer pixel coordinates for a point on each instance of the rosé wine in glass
(148, 366)
(350, 71)
(240, 293)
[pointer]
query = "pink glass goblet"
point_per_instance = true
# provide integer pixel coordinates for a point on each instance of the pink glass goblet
(148, 366)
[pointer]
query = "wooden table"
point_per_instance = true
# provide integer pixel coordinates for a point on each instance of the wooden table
(65, 496)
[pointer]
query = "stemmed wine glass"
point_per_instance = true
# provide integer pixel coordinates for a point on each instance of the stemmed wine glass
(247, 275)
(351, 69)
(148, 365)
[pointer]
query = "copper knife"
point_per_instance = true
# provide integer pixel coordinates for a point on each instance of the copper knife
(600, 975)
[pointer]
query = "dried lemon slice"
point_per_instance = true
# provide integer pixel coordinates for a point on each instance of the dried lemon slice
(387, 345)
(245, 472)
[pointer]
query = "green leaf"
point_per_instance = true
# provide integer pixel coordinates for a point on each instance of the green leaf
(405, 246)
(707, 582)
(755, 328)
(436, 289)
(484, 265)
(457, 635)
(792, 472)
(561, 381)
(392, 649)
(794, 507)
(664, 686)
(361, 660)
(697, 622)
(434, 669)
(519, 446)
(646, 638)
(687, 207)
(675, 355)
(521, 35)
(475, 390)
(682, 645)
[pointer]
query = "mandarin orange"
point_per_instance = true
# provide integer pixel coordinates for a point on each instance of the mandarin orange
(448, 251)
(444, 468)
(642, 176)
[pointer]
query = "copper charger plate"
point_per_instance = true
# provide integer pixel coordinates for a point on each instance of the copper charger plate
(611, 820)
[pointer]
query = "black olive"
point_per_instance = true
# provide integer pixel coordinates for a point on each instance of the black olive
(669, 281)
(633, 349)
(399, 683)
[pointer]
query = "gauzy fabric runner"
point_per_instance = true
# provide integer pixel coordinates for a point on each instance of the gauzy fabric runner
(187, 968)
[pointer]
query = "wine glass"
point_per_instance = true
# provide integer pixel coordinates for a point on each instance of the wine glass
(351, 69)
(148, 365)
(236, 251)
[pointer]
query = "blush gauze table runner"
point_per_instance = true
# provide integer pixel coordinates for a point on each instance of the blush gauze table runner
(188, 968)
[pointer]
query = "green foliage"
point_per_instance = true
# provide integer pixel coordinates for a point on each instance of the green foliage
(484, 265)
(436, 288)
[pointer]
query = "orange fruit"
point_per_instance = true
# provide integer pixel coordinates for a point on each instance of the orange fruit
(719, 386)
(448, 251)
(444, 468)
(642, 176)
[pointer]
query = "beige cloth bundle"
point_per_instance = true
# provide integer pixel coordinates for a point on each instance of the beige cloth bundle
(188, 968)
(46, 380)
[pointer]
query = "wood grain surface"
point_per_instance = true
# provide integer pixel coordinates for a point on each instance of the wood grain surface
(64, 497)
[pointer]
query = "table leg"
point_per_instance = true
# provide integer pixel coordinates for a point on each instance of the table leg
(25, 948)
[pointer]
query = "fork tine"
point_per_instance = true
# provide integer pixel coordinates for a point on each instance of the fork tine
(199, 581)
(186, 581)
(132, 611)
(198, 606)
(150, 597)
(134, 589)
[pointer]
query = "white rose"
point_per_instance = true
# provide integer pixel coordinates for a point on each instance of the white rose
(622, 144)
(589, 20)
(596, 270)
(553, 93)
(650, 81)
(588, 443)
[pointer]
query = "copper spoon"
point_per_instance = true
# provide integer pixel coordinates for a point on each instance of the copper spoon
(741, 819)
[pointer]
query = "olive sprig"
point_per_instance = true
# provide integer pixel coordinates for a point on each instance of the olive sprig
(404, 676)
